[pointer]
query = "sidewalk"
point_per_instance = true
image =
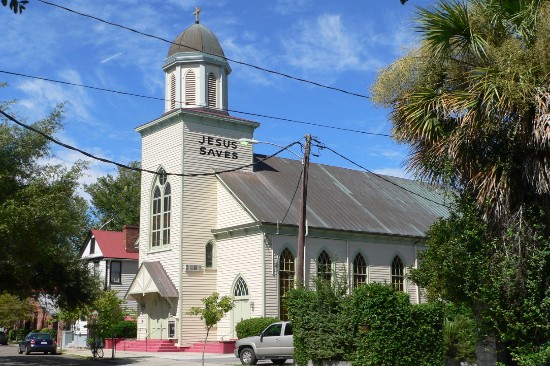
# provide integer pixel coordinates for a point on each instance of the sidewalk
(156, 358)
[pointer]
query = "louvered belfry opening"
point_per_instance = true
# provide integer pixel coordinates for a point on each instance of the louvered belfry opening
(190, 88)
(211, 90)
(172, 91)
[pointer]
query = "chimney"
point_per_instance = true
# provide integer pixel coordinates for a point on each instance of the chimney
(130, 234)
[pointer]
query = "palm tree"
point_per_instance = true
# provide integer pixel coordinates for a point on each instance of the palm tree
(473, 101)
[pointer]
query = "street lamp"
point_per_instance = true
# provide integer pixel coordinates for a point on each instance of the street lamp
(245, 142)
(303, 204)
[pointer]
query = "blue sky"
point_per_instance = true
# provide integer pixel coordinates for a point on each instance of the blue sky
(338, 43)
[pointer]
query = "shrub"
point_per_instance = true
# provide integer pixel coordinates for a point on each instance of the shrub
(253, 326)
(52, 332)
(126, 329)
(322, 327)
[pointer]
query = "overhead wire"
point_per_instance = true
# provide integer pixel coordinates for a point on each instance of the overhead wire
(293, 196)
(70, 147)
(218, 109)
(212, 54)
(324, 147)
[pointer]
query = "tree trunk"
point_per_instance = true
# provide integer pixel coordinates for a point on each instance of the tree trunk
(204, 344)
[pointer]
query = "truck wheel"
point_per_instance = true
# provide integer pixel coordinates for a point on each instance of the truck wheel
(248, 357)
(278, 361)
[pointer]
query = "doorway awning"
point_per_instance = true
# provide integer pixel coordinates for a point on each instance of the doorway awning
(151, 278)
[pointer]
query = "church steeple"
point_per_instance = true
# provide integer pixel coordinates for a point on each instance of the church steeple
(196, 70)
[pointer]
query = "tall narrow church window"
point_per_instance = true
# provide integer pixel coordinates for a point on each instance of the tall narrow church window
(286, 280)
(359, 270)
(172, 91)
(190, 88)
(397, 274)
(211, 90)
(210, 255)
(324, 266)
(241, 289)
(160, 212)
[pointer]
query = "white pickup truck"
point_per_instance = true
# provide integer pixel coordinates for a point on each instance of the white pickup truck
(274, 343)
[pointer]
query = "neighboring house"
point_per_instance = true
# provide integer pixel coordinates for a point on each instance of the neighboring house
(113, 257)
(235, 232)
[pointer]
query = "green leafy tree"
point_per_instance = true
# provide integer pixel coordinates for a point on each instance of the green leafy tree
(13, 309)
(473, 103)
(107, 317)
(42, 217)
(213, 311)
(116, 199)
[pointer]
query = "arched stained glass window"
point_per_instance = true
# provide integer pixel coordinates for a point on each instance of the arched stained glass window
(286, 279)
(397, 274)
(324, 266)
(241, 289)
(359, 270)
(160, 212)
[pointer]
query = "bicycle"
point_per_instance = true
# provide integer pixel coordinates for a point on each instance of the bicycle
(97, 350)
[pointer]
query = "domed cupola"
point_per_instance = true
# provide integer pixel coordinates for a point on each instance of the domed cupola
(196, 70)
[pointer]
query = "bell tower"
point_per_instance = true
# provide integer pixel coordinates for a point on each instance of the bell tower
(196, 70)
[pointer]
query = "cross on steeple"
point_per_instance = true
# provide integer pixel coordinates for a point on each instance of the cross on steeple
(196, 13)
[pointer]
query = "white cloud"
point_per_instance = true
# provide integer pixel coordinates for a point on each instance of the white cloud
(325, 45)
(110, 58)
(42, 96)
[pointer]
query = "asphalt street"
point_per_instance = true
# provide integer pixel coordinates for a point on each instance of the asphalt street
(83, 357)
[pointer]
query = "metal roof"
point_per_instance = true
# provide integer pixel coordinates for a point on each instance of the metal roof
(338, 198)
(159, 276)
(196, 38)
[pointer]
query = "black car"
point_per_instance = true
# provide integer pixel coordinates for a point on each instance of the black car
(3, 338)
(38, 342)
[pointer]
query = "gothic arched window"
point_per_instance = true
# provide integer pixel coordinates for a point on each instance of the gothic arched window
(210, 255)
(160, 212)
(324, 266)
(241, 289)
(286, 280)
(359, 270)
(212, 95)
(397, 274)
(190, 88)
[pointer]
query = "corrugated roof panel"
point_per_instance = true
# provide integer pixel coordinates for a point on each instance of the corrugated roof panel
(338, 198)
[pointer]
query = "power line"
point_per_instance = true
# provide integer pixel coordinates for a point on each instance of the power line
(212, 54)
(293, 196)
(218, 109)
(322, 146)
(48, 137)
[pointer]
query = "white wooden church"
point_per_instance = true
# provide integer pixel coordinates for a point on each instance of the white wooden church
(214, 230)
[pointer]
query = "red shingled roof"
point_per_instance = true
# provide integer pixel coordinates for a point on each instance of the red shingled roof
(111, 244)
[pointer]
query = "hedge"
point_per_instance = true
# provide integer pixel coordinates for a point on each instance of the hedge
(253, 326)
(375, 325)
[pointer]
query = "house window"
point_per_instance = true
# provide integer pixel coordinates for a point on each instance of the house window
(96, 268)
(210, 255)
(211, 90)
(241, 289)
(160, 215)
(397, 277)
(172, 91)
(324, 266)
(286, 280)
(190, 90)
(116, 271)
(92, 245)
(359, 270)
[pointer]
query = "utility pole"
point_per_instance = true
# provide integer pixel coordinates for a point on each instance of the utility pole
(302, 223)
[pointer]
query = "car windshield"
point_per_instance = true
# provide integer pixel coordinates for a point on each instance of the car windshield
(39, 336)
